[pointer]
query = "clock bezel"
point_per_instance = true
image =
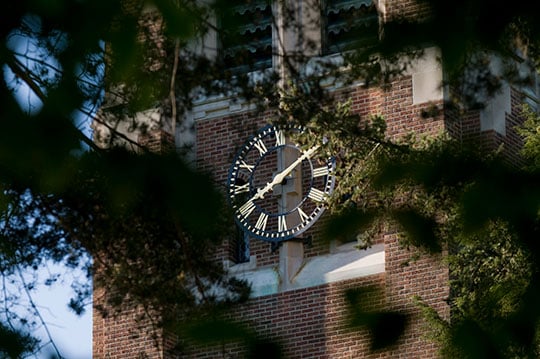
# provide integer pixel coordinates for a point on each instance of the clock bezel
(235, 169)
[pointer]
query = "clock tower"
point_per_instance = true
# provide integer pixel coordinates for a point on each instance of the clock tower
(277, 191)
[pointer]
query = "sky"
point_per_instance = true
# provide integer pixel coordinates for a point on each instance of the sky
(71, 333)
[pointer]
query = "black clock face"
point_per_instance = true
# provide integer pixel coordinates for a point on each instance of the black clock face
(278, 189)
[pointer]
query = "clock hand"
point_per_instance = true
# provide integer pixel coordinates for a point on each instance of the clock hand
(278, 178)
(281, 176)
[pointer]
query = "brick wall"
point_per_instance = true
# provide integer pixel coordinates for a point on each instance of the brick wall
(158, 141)
(308, 323)
(465, 127)
(311, 322)
(126, 334)
(218, 140)
(512, 141)
(427, 278)
(405, 9)
(130, 332)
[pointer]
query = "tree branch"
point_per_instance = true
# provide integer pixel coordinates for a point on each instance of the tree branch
(18, 69)
(172, 94)
(37, 313)
(22, 72)
(117, 133)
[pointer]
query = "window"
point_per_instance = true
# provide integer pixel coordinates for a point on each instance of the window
(530, 93)
(246, 29)
(246, 35)
(239, 249)
(241, 252)
(349, 24)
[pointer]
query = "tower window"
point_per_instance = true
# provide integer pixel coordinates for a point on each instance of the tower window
(246, 35)
(349, 24)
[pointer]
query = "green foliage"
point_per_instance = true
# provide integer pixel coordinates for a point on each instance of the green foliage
(437, 329)
(385, 327)
(15, 344)
(150, 222)
(468, 37)
(530, 130)
(151, 230)
(486, 213)
(490, 275)
(493, 288)
(58, 204)
(442, 195)
(447, 196)
(216, 330)
(264, 349)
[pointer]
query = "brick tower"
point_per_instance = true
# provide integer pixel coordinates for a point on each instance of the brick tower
(297, 286)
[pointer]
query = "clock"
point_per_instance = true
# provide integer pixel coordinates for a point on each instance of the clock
(278, 189)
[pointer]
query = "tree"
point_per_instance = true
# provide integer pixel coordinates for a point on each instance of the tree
(444, 194)
(60, 203)
(483, 208)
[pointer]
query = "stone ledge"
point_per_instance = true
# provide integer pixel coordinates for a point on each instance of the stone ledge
(317, 270)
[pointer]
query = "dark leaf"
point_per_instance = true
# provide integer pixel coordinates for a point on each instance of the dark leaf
(385, 327)
(347, 225)
(264, 349)
(211, 331)
(420, 230)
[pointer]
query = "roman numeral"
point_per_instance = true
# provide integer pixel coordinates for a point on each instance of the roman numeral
(303, 216)
(259, 144)
(244, 165)
(241, 189)
(246, 208)
(316, 195)
(282, 223)
(321, 171)
(280, 138)
(261, 222)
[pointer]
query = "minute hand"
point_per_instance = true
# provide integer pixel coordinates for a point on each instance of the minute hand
(281, 176)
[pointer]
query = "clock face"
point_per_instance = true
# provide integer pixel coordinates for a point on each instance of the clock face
(277, 189)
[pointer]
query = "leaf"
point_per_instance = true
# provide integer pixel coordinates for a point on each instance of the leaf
(385, 326)
(470, 338)
(212, 331)
(264, 349)
(421, 230)
(13, 344)
(348, 224)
